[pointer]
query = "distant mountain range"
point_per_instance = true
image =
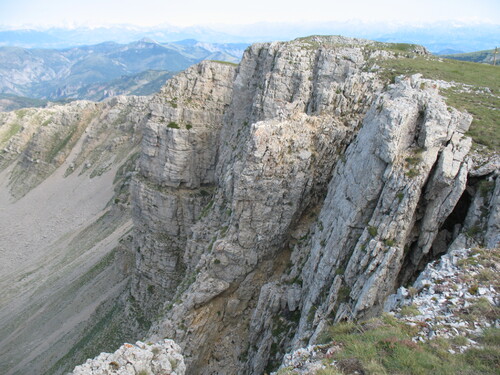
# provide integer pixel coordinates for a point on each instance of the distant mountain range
(102, 70)
(436, 37)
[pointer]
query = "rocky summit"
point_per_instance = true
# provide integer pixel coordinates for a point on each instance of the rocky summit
(251, 207)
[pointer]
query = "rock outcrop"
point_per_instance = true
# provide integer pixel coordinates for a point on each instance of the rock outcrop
(455, 299)
(176, 176)
(163, 357)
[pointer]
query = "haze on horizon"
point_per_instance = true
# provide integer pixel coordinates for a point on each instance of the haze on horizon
(150, 13)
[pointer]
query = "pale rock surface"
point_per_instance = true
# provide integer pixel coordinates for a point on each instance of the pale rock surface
(295, 108)
(176, 176)
(258, 217)
(161, 358)
(370, 213)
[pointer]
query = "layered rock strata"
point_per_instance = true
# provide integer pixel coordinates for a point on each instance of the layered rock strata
(176, 176)
(325, 190)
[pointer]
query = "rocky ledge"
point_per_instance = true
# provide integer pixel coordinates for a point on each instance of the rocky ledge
(164, 357)
(457, 295)
(455, 299)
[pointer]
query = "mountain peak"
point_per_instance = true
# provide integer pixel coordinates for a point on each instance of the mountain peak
(148, 40)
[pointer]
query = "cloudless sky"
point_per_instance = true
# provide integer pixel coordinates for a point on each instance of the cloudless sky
(16, 13)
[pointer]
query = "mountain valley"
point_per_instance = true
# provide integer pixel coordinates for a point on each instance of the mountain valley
(103, 70)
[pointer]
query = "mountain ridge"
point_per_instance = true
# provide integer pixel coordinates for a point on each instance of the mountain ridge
(69, 73)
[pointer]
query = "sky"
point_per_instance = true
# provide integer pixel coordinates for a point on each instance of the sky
(72, 13)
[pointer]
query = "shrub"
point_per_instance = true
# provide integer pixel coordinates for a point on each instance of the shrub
(411, 310)
(372, 231)
(389, 242)
(412, 172)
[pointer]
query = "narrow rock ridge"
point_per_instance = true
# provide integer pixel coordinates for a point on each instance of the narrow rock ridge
(315, 192)
(399, 183)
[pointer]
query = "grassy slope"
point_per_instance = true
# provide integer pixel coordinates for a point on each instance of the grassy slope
(478, 90)
(9, 102)
(384, 346)
(485, 56)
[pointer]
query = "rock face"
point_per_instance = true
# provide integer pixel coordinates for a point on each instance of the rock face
(308, 192)
(399, 163)
(163, 357)
(176, 176)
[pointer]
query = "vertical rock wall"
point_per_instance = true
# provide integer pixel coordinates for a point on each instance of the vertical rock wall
(295, 191)
(176, 176)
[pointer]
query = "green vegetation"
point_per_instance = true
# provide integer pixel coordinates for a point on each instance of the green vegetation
(479, 308)
(410, 310)
(413, 160)
(206, 209)
(384, 346)
(16, 102)
(485, 187)
(447, 70)
(389, 242)
(343, 294)
(372, 231)
(412, 172)
(224, 62)
(485, 128)
(14, 128)
(481, 97)
(485, 56)
(173, 125)
(473, 231)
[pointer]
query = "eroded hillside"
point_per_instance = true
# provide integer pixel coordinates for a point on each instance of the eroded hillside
(65, 223)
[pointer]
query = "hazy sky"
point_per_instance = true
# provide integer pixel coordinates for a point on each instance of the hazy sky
(192, 12)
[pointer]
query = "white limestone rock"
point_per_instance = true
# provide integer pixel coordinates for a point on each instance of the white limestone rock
(161, 358)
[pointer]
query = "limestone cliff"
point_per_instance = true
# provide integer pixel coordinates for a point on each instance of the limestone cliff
(324, 191)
